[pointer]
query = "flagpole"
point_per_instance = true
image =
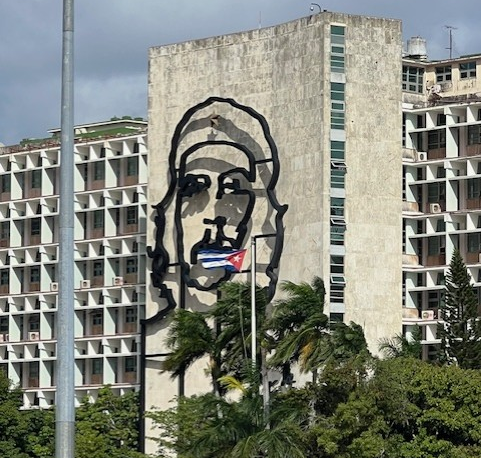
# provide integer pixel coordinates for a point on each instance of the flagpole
(253, 304)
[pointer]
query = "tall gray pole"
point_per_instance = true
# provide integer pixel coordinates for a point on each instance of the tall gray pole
(65, 401)
(253, 306)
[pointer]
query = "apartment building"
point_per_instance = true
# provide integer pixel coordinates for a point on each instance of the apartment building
(442, 180)
(110, 213)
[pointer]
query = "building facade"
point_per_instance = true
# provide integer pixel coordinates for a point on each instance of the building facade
(110, 214)
(301, 122)
(442, 181)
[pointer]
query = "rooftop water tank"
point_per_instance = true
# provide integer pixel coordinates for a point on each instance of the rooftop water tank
(416, 48)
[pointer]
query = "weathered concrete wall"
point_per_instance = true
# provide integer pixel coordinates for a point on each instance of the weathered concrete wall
(283, 72)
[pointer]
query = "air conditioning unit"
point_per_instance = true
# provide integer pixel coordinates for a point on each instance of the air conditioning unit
(33, 336)
(85, 284)
(479, 257)
(2, 338)
(427, 315)
(54, 286)
(118, 281)
(434, 208)
(422, 156)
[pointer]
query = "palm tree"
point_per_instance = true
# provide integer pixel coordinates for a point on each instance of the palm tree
(240, 429)
(299, 327)
(401, 347)
(223, 334)
(190, 338)
(232, 313)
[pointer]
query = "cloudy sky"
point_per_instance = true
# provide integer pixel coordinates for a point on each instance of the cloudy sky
(112, 38)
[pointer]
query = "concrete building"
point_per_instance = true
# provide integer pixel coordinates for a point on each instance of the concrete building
(110, 210)
(442, 180)
(305, 114)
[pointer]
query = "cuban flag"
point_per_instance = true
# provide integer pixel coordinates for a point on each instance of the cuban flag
(228, 259)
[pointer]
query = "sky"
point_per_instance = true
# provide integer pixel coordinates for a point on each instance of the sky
(112, 38)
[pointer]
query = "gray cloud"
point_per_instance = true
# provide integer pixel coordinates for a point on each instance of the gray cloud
(112, 38)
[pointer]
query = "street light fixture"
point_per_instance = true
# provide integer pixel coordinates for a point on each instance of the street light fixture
(315, 4)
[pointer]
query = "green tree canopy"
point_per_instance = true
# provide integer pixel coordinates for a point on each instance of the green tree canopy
(461, 331)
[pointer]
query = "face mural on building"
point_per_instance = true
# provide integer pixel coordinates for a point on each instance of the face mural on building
(222, 180)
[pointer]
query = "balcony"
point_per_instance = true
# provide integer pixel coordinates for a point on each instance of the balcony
(473, 150)
(96, 184)
(32, 193)
(436, 153)
(97, 330)
(129, 377)
(97, 280)
(130, 328)
(130, 228)
(410, 207)
(130, 278)
(33, 382)
(96, 379)
(473, 258)
(410, 260)
(410, 313)
(34, 287)
(130, 180)
(473, 204)
(435, 260)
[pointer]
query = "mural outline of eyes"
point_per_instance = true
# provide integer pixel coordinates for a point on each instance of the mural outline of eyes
(191, 184)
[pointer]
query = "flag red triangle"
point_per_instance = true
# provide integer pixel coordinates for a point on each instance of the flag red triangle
(236, 259)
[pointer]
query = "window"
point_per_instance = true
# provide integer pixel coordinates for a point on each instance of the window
(338, 30)
(337, 91)
(5, 230)
(131, 315)
(436, 192)
(130, 364)
(99, 170)
(435, 246)
(336, 293)
(132, 166)
(337, 264)
(443, 74)
(96, 366)
(337, 176)
(474, 188)
(337, 234)
(412, 79)
(6, 183)
(34, 274)
(131, 265)
(132, 215)
(34, 323)
(97, 319)
(4, 277)
(98, 269)
(337, 206)
(35, 226)
(36, 179)
(4, 324)
(436, 139)
(474, 135)
(98, 219)
(337, 150)
(467, 70)
(474, 243)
